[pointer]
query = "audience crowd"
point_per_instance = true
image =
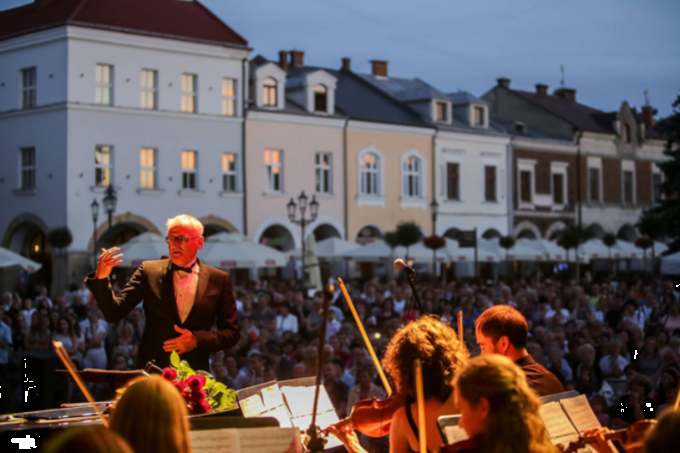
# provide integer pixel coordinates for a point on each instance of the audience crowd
(617, 342)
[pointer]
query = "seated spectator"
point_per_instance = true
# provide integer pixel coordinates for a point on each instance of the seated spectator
(336, 389)
(586, 383)
(88, 439)
(670, 378)
(232, 368)
(285, 321)
(283, 367)
(365, 389)
(387, 312)
(126, 344)
(64, 333)
(263, 316)
(218, 368)
(252, 373)
(599, 405)
(152, 416)
(28, 311)
(94, 333)
(635, 404)
(558, 366)
(43, 301)
(649, 359)
(120, 362)
(671, 321)
(613, 363)
(38, 338)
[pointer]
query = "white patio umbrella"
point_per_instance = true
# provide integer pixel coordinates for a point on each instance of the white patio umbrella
(553, 251)
(486, 252)
(312, 264)
(8, 259)
(331, 249)
(232, 250)
(379, 252)
(670, 265)
(627, 250)
(593, 249)
(523, 250)
(146, 246)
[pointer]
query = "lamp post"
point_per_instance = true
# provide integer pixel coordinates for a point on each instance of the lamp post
(435, 210)
(95, 213)
(109, 203)
(313, 212)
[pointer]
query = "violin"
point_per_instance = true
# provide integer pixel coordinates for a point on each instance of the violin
(631, 438)
(473, 444)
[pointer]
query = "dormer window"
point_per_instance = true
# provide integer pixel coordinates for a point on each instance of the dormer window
(320, 99)
(479, 116)
(520, 128)
(269, 92)
(627, 135)
(442, 112)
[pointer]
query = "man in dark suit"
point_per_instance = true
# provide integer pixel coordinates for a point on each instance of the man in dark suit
(503, 330)
(181, 296)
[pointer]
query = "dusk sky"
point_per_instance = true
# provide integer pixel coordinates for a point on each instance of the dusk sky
(612, 50)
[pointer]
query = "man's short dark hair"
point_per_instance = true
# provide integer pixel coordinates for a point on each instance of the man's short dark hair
(504, 320)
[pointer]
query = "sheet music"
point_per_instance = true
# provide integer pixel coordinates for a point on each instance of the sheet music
(247, 440)
(557, 423)
(252, 406)
(454, 433)
(580, 413)
(215, 440)
(281, 414)
(272, 397)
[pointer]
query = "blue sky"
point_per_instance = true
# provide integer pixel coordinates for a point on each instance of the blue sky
(612, 50)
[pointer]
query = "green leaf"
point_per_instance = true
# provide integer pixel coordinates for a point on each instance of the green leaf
(174, 359)
(219, 387)
(204, 373)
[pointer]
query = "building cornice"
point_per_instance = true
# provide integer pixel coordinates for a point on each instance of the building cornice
(471, 137)
(544, 145)
(367, 126)
(291, 118)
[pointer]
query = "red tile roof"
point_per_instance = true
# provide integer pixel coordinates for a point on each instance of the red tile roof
(175, 19)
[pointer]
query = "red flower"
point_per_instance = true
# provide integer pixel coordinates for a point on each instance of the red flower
(200, 408)
(186, 394)
(180, 385)
(170, 374)
(196, 382)
(198, 396)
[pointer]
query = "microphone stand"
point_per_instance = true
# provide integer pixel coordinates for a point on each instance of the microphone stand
(316, 443)
(412, 278)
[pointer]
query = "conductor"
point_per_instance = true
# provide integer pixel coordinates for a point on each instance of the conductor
(183, 299)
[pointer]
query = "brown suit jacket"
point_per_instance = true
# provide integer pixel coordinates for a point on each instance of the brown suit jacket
(152, 283)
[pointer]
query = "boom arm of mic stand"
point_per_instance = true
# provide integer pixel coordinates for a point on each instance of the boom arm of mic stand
(412, 283)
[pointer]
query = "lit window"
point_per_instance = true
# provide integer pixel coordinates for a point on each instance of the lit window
(29, 88)
(229, 172)
(411, 174)
(442, 111)
(273, 167)
(453, 181)
(189, 170)
(479, 119)
(228, 97)
(490, 183)
(102, 165)
(269, 93)
(27, 168)
(323, 173)
(147, 164)
(103, 93)
(189, 93)
(149, 89)
(628, 187)
(369, 174)
(320, 99)
(594, 184)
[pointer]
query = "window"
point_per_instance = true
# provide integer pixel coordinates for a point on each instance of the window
(628, 186)
(594, 184)
(479, 116)
(273, 166)
(29, 88)
(323, 173)
(228, 97)
(627, 136)
(526, 195)
(269, 93)
(656, 187)
(149, 89)
(27, 168)
(369, 174)
(453, 181)
(442, 110)
(490, 183)
(189, 93)
(103, 93)
(411, 168)
(102, 165)
(520, 128)
(558, 188)
(189, 170)
(147, 165)
(229, 172)
(320, 99)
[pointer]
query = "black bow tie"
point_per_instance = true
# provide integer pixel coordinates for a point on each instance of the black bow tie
(188, 270)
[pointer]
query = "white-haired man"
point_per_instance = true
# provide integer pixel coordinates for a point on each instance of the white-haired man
(181, 295)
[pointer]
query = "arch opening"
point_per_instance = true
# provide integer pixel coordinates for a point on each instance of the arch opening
(368, 234)
(278, 237)
(627, 233)
(326, 231)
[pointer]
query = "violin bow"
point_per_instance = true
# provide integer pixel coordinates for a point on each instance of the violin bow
(460, 328)
(369, 346)
(66, 360)
(420, 402)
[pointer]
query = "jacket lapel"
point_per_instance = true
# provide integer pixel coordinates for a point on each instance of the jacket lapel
(169, 293)
(203, 277)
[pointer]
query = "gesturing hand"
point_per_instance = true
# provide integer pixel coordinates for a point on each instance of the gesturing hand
(108, 261)
(184, 343)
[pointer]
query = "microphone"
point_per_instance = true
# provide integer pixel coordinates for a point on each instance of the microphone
(400, 265)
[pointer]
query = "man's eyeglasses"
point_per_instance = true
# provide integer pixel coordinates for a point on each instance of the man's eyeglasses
(181, 240)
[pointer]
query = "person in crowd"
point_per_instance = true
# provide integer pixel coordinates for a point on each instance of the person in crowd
(337, 390)
(39, 335)
(559, 366)
(437, 346)
(64, 333)
(219, 371)
(285, 321)
(387, 311)
(120, 362)
(365, 389)
(125, 343)
(231, 367)
(43, 299)
(613, 363)
(264, 317)
(152, 416)
(635, 404)
(503, 330)
(599, 405)
(649, 359)
(88, 439)
(252, 373)
(95, 334)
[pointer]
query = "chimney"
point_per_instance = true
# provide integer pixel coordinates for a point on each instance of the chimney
(346, 64)
(566, 93)
(297, 58)
(283, 60)
(541, 89)
(648, 116)
(379, 68)
(503, 82)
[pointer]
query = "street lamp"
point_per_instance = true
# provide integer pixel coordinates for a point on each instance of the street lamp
(109, 202)
(313, 212)
(435, 210)
(95, 213)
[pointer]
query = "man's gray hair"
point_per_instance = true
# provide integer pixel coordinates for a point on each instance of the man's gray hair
(185, 220)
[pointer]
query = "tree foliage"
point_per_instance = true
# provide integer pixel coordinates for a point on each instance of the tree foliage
(610, 240)
(408, 234)
(434, 242)
(391, 239)
(60, 238)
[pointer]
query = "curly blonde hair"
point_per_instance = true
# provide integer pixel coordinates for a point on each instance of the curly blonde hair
(436, 345)
(514, 423)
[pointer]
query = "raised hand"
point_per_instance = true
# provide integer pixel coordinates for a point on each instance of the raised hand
(107, 261)
(184, 343)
